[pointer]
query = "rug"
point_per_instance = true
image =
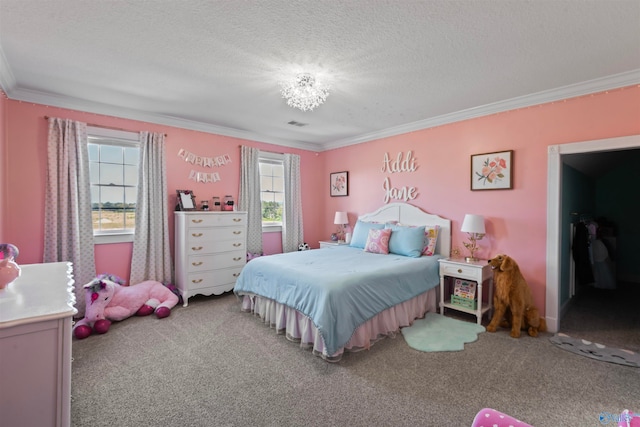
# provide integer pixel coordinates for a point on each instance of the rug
(439, 333)
(596, 351)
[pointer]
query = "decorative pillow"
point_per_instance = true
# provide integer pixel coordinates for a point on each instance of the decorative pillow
(407, 241)
(430, 239)
(378, 241)
(361, 233)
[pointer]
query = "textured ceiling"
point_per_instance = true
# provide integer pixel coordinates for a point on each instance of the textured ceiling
(394, 66)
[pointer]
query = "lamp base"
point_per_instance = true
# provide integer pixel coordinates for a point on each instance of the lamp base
(471, 259)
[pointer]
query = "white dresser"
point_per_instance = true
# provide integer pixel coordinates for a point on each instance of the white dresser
(211, 249)
(36, 313)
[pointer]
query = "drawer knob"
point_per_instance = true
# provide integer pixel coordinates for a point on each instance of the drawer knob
(197, 221)
(237, 244)
(196, 234)
(237, 232)
(459, 270)
(236, 274)
(237, 219)
(195, 264)
(196, 248)
(196, 281)
(237, 258)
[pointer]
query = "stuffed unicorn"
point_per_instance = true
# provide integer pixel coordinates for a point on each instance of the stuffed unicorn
(107, 300)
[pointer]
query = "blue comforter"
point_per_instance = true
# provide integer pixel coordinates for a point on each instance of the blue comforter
(338, 288)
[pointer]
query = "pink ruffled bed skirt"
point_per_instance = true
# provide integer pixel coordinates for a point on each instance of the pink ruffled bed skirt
(299, 328)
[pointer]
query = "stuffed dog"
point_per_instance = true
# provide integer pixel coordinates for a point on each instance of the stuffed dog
(512, 299)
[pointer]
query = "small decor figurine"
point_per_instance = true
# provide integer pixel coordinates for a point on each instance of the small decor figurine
(9, 270)
(107, 300)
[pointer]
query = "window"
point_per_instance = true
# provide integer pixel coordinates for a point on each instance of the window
(271, 189)
(113, 170)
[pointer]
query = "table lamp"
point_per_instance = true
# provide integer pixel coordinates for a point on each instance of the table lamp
(341, 219)
(473, 225)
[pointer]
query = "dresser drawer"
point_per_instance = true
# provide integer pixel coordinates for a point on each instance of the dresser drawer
(462, 271)
(215, 220)
(224, 279)
(208, 247)
(216, 261)
(197, 235)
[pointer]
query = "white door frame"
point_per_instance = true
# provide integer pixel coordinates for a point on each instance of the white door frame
(554, 226)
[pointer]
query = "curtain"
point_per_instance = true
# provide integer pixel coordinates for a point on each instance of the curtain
(68, 229)
(249, 197)
(292, 230)
(151, 258)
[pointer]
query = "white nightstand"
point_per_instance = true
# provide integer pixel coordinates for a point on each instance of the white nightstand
(477, 271)
(331, 243)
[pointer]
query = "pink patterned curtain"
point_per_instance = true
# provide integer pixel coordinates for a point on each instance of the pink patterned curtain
(68, 231)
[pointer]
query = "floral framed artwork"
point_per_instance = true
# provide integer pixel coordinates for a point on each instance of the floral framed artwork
(339, 184)
(492, 171)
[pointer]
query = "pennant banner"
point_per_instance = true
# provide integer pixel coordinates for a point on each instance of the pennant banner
(208, 162)
(204, 177)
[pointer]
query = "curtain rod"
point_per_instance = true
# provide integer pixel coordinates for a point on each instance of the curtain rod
(104, 127)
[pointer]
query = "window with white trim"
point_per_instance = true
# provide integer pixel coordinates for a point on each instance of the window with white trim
(113, 169)
(271, 189)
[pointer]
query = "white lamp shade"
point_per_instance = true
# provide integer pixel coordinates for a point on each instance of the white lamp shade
(473, 224)
(341, 218)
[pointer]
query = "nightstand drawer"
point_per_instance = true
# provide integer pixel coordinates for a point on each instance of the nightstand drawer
(459, 270)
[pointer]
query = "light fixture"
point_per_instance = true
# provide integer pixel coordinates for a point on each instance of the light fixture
(474, 226)
(341, 219)
(304, 92)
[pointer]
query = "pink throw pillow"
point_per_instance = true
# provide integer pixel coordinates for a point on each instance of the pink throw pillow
(378, 241)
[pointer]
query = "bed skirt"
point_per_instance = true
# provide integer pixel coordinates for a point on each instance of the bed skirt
(299, 328)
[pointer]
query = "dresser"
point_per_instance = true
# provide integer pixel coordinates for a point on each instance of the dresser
(36, 312)
(210, 251)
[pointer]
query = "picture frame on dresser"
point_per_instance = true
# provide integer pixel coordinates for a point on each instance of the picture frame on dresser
(186, 200)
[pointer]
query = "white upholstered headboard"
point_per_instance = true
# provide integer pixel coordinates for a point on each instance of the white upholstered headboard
(408, 214)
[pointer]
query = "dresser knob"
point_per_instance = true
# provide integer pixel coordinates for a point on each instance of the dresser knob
(196, 248)
(236, 274)
(237, 244)
(196, 281)
(459, 270)
(237, 258)
(237, 232)
(237, 219)
(196, 234)
(195, 264)
(197, 221)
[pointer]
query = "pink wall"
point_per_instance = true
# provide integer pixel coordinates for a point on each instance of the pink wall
(3, 164)
(515, 219)
(27, 150)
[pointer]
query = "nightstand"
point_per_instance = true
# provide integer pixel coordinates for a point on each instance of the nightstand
(477, 271)
(331, 243)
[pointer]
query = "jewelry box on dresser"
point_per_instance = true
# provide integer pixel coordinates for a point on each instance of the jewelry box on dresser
(211, 249)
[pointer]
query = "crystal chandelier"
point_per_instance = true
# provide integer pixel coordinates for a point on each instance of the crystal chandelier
(304, 92)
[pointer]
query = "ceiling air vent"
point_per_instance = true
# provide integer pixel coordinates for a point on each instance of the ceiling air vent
(294, 123)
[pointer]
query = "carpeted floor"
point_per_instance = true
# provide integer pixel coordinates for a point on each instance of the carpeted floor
(211, 365)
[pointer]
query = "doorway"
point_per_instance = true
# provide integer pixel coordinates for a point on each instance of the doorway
(554, 305)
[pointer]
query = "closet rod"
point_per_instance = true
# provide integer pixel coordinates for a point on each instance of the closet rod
(105, 127)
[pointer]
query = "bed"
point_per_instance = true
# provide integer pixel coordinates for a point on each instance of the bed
(345, 298)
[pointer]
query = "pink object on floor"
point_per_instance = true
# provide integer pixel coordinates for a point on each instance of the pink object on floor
(488, 417)
(629, 419)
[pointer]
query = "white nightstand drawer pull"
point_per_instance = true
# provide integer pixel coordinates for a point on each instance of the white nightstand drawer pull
(196, 248)
(196, 281)
(195, 264)
(196, 221)
(237, 244)
(196, 234)
(237, 232)
(459, 270)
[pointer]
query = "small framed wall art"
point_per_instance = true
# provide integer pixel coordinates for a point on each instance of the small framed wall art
(339, 184)
(186, 200)
(492, 171)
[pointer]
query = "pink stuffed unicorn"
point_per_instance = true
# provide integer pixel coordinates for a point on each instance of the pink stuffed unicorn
(107, 300)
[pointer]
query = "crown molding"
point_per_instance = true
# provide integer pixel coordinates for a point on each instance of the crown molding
(570, 91)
